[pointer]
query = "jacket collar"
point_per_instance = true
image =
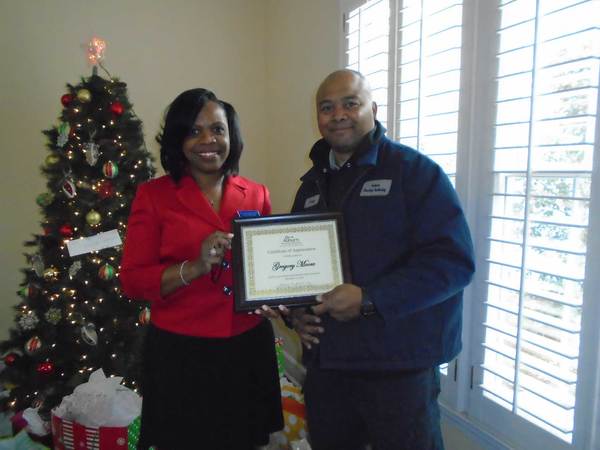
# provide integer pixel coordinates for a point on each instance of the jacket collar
(192, 198)
(366, 153)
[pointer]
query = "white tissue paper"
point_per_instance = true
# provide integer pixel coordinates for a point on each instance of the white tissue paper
(35, 424)
(302, 444)
(101, 402)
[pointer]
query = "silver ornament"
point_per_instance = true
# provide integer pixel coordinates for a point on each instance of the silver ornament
(92, 151)
(89, 334)
(63, 134)
(75, 267)
(53, 315)
(38, 265)
(28, 321)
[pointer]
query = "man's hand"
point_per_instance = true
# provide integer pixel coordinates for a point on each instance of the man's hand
(342, 302)
(307, 326)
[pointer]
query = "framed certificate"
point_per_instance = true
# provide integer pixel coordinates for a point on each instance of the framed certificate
(287, 259)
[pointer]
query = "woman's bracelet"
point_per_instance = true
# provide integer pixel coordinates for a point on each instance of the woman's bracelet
(181, 273)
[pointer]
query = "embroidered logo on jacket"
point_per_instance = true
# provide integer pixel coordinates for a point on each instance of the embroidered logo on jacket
(311, 201)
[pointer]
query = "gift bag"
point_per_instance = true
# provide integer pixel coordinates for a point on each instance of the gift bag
(97, 416)
(70, 435)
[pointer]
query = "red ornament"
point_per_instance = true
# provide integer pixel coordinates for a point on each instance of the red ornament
(110, 169)
(106, 189)
(66, 100)
(66, 230)
(116, 108)
(106, 272)
(45, 368)
(10, 359)
(33, 345)
(144, 316)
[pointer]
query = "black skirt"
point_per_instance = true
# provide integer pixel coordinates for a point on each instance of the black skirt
(209, 393)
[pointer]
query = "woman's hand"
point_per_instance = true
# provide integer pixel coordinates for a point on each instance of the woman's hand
(271, 313)
(305, 324)
(212, 251)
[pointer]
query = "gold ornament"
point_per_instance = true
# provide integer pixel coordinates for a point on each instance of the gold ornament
(51, 274)
(93, 218)
(52, 159)
(83, 95)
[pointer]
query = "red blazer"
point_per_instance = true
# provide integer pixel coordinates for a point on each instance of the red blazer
(167, 225)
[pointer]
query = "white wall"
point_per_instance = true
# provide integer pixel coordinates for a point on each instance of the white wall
(302, 48)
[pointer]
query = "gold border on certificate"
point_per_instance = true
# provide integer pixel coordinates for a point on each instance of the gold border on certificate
(258, 292)
(287, 259)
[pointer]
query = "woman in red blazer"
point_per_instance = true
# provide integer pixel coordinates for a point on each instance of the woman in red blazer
(209, 374)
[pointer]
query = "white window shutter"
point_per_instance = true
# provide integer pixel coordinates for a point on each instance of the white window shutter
(547, 80)
(366, 32)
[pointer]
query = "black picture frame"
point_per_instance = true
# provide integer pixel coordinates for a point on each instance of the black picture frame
(242, 301)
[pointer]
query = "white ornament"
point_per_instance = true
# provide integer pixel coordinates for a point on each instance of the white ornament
(38, 265)
(75, 267)
(68, 188)
(89, 334)
(92, 151)
(63, 134)
(28, 321)
(53, 315)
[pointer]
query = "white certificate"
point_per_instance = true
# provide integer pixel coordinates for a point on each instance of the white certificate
(287, 259)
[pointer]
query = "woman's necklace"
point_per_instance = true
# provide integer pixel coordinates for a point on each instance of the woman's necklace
(214, 195)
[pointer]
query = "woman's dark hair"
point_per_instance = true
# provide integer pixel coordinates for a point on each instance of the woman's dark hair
(178, 122)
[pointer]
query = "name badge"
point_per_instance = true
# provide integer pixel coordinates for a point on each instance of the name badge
(376, 188)
(311, 201)
(245, 214)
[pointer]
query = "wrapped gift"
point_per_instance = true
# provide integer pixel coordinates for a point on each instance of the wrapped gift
(96, 416)
(293, 435)
(292, 402)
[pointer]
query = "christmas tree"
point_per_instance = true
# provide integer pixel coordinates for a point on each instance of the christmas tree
(72, 318)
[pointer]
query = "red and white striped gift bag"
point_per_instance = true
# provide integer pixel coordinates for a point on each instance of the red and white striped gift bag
(69, 435)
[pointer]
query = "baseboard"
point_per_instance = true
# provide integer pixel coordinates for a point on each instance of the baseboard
(482, 437)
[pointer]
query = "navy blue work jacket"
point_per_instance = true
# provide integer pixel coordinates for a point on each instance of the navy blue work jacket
(410, 250)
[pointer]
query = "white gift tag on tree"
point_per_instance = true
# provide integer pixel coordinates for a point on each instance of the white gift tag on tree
(94, 243)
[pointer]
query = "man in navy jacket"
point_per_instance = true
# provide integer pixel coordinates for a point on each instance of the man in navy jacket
(373, 346)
